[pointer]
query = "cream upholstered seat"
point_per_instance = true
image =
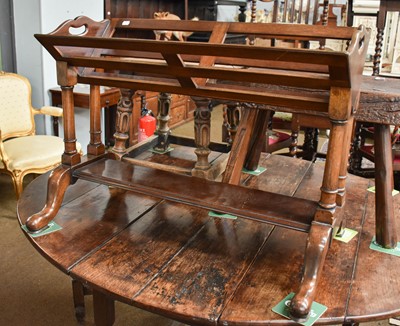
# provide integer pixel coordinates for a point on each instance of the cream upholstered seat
(21, 151)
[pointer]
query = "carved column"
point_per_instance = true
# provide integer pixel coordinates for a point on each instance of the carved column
(202, 124)
(163, 131)
(124, 112)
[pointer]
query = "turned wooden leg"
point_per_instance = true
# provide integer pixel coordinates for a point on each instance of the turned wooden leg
(103, 309)
(95, 147)
(202, 123)
(163, 131)
(78, 292)
(240, 147)
(71, 155)
(59, 180)
(340, 197)
(384, 210)
(316, 249)
(329, 189)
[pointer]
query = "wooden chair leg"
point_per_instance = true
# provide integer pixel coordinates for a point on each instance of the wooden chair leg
(18, 184)
(384, 211)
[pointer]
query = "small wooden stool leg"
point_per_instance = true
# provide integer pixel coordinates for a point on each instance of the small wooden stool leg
(103, 308)
(384, 210)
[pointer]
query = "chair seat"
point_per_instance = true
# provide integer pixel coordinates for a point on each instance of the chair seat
(34, 152)
(277, 137)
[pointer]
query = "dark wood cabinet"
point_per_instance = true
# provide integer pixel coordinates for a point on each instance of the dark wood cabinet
(185, 9)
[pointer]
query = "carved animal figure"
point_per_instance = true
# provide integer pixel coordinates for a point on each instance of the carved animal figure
(167, 35)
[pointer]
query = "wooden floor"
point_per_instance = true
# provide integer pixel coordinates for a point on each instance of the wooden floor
(177, 261)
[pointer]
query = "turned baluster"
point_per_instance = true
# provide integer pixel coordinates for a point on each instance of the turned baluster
(163, 131)
(202, 117)
(329, 189)
(122, 124)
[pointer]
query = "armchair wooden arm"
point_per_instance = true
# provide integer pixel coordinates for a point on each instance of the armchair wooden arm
(50, 110)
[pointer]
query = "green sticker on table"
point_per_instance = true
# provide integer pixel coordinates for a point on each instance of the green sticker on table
(346, 235)
(50, 228)
(257, 171)
(375, 246)
(155, 151)
(222, 215)
(317, 309)
(394, 192)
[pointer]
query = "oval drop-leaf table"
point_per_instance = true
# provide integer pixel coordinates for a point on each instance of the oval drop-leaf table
(176, 261)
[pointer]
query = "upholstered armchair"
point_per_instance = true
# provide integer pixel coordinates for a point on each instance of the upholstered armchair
(22, 151)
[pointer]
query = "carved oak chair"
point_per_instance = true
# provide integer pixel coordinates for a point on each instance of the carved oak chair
(21, 151)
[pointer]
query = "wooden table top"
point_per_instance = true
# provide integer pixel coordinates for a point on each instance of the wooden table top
(379, 100)
(177, 261)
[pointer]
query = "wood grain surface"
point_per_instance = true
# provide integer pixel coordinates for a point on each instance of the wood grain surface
(177, 261)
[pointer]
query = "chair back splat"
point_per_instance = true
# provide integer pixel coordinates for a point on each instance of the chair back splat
(316, 82)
